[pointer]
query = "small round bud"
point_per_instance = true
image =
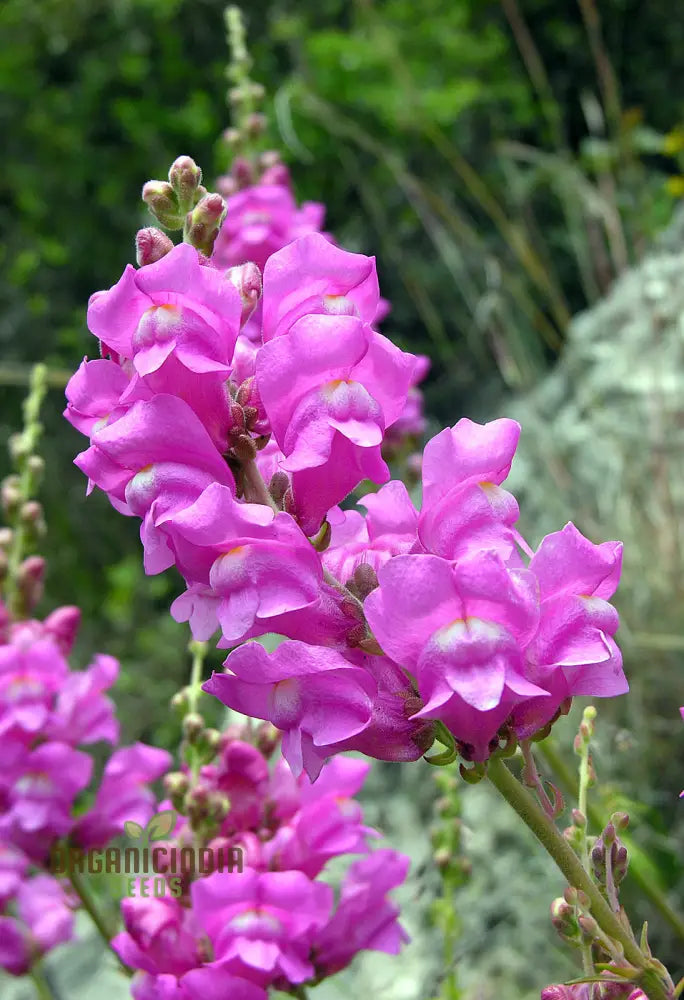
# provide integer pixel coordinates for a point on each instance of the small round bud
(203, 223)
(267, 739)
(278, 486)
(366, 580)
(36, 466)
(151, 245)
(218, 806)
(278, 175)
(10, 493)
(247, 279)
(185, 177)
(244, 448)
(579, 819)
(193, 724)
(6, 536)
(162, 202)
(30, 578)
(232, 137)
(242, 172)
(31, 512)
(176, 785)
(63, 625)
(256, 125)
(212, 739)
(442, 857)
(179, 702)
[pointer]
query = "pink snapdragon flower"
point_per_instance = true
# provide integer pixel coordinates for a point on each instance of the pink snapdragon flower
(365, 919)
(259, 221)
(122, 794)
(460, 629)
(388, 529)
(37, 792)
(329, 388)
(314, 695)
(44, 920)
(246, 565)
(172, 306)
(261, 925)
(464, 506)
(573, 651)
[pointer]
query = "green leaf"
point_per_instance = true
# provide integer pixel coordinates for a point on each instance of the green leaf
(161, 825)
(133, 830)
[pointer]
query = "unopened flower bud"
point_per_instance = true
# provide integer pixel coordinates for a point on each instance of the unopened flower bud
(255, 124)
(6, 536)
(185, 177)
(579, 819)
(247, 280)
(179, 702)
(196, 803)
(269, 158)
(590, 929)
(203, 223)
(193, 724)
(232, 137)
(245, 391)
(267, 738)
(289, 503)
(230, 734)
(244, 448)
(10, 492)
(226, 186)
(278, 486)
(162, 202)
(277, 174)
(31, 576)
(31, 512)
(212, 739)
(151, 245)
(237, 417)
(176, 785)
(36, 467)
(620, 820)
(442, 857)
(218, 806)
(564, 920)
(63, 624)
(365, 579)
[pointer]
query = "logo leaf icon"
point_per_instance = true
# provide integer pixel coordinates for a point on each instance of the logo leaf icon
(161, 825)
(133, 830)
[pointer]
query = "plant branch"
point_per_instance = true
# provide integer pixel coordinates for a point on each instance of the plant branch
(546, 832)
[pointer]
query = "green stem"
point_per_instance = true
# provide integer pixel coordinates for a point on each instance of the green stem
(645, 883)
(567, 861)
(256, 490)
(42, 985)
(83, 892)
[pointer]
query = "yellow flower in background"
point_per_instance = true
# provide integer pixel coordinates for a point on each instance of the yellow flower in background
(673, 142)
(675, 186)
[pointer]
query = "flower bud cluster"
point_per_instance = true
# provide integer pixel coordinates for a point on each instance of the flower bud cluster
(270, 920)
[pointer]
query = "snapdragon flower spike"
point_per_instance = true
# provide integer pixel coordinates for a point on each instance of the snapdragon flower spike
(174, 305)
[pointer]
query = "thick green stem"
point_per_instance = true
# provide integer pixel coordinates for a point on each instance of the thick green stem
(41, 983)
(557, 847)
(563, 773)
(83, 892)
(256, 490)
